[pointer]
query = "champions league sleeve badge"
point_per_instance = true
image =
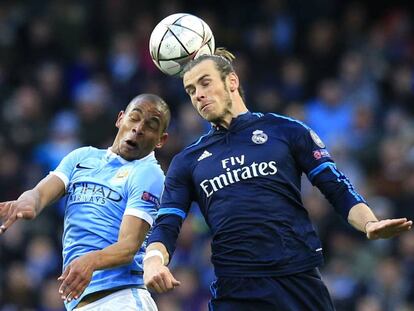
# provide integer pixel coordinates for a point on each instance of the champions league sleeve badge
(259, 137)
(316, 139)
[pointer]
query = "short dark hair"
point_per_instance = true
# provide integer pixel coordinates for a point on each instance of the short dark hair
(159, 102)
(222, 59)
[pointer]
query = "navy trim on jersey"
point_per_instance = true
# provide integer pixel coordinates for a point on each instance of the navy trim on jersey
(174, 211)
(319, 169)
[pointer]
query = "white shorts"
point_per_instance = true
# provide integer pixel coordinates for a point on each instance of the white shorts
(129, 299)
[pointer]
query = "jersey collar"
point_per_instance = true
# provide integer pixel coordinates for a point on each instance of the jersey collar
(112, 155)
(236, 123)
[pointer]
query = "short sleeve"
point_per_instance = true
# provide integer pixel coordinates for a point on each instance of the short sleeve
(66, 167)
(144, 190)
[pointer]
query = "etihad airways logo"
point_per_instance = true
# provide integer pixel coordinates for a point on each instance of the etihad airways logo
(235, 171)
(94, 193)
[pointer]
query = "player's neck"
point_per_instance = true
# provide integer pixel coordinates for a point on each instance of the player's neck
(237, 109)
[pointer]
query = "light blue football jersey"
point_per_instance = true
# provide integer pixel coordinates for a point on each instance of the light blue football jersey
(102, 187)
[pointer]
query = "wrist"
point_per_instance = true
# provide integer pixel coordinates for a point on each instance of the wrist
(154, 253)
(367, 223)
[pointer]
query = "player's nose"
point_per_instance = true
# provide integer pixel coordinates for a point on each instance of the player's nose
(200, 95)
(139, 127)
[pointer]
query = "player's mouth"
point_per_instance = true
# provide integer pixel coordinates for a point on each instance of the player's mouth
(203, 107)
(131, 144)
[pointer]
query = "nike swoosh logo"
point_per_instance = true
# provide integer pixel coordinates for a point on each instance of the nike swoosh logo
(84, 167)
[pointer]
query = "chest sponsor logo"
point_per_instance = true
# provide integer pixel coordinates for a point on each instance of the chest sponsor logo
(259, 137)
(93, 193)
(235, 170)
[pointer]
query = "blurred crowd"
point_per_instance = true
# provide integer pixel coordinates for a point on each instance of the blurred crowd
(345, 68)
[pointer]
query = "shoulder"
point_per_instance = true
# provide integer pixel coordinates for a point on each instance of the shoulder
(290, 128)
(86, 150)
(286, 121)
(148, 169)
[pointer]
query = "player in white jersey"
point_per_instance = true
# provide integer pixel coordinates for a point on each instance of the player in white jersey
(112, 198)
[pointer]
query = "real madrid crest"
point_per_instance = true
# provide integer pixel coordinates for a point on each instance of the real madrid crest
(259, 137)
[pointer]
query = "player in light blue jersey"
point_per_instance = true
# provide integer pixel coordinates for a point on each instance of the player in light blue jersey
(112, 198)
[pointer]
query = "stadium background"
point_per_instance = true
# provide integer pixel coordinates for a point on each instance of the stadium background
(345, 68)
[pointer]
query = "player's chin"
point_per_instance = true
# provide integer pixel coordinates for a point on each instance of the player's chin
(208, 115)
(129, 153)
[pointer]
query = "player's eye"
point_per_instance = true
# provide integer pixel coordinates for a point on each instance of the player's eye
(153, 125)
(134, 117)
(205, 82)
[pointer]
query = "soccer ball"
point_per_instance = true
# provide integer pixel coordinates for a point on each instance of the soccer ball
(177, 39)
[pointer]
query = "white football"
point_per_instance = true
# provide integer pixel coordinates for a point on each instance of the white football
(177, 39)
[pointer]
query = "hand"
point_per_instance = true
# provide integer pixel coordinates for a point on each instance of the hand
(10, 211)
(158, 277)
(387, 228)
(76, 277)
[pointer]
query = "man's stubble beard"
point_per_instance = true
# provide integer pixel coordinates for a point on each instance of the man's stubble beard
(226, 109)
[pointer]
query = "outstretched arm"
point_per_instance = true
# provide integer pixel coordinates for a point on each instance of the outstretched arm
(78, 273)
(31, 202)
(363, 219)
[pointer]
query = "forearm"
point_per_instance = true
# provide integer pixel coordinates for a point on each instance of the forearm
(165, 233)
(117, 254)
(359, 215)
(131, 236)
(47, 191)
(339, 191)
(33, 196)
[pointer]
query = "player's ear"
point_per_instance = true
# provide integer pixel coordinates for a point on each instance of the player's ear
(119, 119)
(162, 140)
(233, 81)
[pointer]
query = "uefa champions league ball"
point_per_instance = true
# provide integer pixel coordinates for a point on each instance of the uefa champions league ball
(177, 39)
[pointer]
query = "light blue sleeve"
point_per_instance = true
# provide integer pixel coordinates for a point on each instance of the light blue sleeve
(144, 191)
(66, 167)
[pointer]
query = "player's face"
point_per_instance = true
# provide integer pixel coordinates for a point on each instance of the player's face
(208, 93)
(140, 130)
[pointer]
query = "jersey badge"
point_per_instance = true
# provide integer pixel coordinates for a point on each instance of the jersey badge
(120, 176)
(316, 139)
(146, 196)
(204, 155)
(259, 137)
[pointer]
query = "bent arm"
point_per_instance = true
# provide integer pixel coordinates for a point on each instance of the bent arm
(78, 273)
(131, 236)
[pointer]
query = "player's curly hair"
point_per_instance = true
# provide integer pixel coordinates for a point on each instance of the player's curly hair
(222, 58)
